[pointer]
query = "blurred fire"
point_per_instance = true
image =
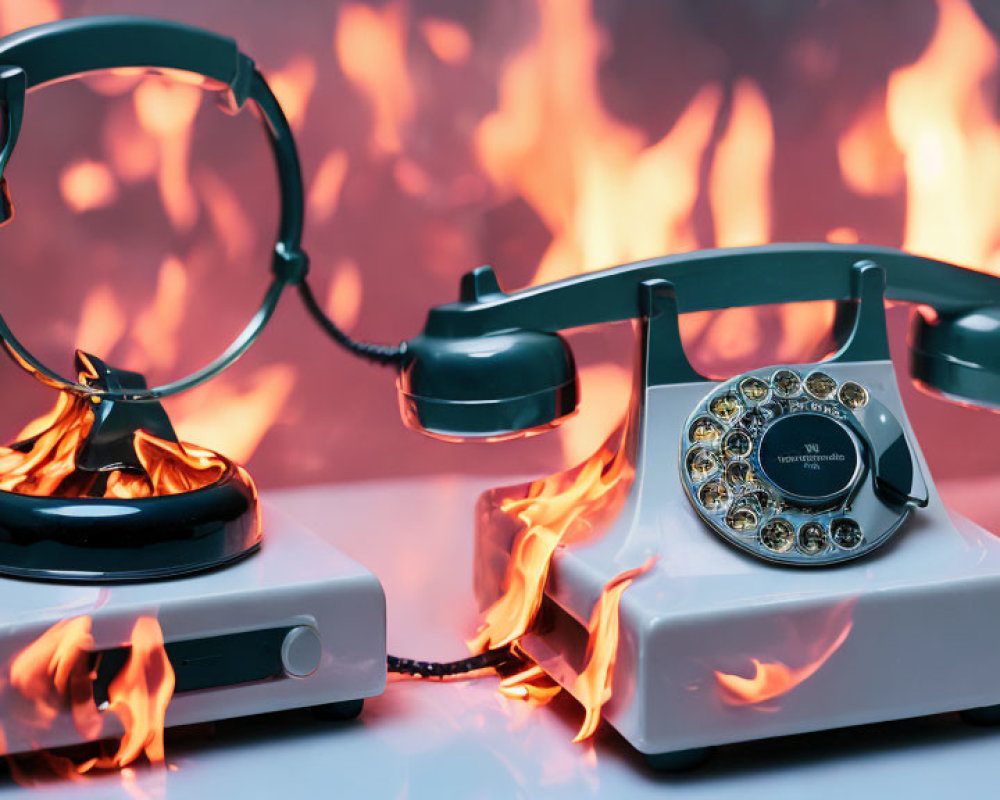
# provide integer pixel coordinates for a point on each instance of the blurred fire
(232, 419)
(324, 192)
(448, 40)
(16, 15)
(54, 673)
(166, 110)
(370, 44)
(604, 195)
(87, 185)
(343, 298)
(293, 86)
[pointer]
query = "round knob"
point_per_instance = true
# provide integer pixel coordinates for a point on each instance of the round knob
(301, 651)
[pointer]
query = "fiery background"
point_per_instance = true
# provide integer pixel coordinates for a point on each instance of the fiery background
(545, 137)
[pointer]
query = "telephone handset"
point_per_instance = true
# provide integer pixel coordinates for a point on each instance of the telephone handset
(795, 464)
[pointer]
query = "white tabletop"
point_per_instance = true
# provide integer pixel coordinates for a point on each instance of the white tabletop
(461, 739)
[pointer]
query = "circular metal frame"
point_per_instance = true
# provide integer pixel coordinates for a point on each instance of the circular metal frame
(40, 55)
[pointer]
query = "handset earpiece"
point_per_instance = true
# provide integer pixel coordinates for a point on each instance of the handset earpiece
(493, 387)
(501, 384)
(957, 354)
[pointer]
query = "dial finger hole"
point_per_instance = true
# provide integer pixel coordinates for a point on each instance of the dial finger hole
(701, 464)
(726, 407)
(739, 474)
(778, 535)
(820, 385)
(753, 389)
(846, 533)
(853, 395)
(743, 518)
(786, 383)
(713, 495)
(737, 444)
(705, 430)
(812, 539)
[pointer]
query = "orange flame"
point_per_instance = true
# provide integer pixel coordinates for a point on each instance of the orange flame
(532, 685)
(941, 113)
(371, 47)
(293, 85)
(45, 463)
(556, 510)
(593, 685)
(54, 667)
(54, 671)
(448, 40)
(324, 192)
(774, 678)
(86, 185)
(139, 696)
(166, 110)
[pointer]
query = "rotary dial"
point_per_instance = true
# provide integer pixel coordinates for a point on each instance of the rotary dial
(797, 467)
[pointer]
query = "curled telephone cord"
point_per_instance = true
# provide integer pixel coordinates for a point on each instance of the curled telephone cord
(379, 353)
(499, 657)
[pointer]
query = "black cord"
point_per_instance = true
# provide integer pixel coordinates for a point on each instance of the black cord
(438, 669)
(379, 353)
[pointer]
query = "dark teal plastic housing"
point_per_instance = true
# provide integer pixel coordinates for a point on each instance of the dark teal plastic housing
(492, 365)
(958, 355)
(489, 387)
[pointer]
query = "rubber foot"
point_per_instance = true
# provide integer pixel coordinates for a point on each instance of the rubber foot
(679, 760)
(337, 712)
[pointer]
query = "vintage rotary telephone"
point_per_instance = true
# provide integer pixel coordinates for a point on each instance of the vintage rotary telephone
(796, 464)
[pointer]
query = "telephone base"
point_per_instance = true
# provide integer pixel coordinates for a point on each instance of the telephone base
(908, 633)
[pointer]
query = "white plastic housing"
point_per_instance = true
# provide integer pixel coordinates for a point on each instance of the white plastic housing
(920, 613)
(295, 579)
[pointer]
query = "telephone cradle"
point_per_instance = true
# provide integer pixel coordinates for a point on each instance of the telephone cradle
(808, 575)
